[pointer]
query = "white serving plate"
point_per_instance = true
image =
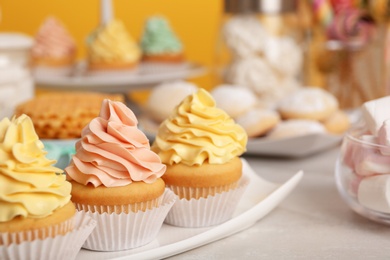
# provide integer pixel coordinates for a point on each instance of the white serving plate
(260, 198)
(297, 146)
(146, 76)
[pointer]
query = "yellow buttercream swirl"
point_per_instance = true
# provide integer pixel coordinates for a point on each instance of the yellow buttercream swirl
(29, 185)
(112, 43)
(198, 131)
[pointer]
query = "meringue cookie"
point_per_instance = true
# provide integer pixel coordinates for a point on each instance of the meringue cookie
(295, 127)
(284, 55)
(166, 96)
(244, 36)
(234, 100)
(253, 73)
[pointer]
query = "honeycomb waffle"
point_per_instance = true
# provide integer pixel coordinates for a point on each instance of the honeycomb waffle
(62, 115)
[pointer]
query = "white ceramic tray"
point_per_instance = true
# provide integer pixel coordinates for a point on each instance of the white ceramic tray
(146, 76)
(260, 198)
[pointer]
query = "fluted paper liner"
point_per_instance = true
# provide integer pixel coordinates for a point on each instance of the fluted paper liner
(204, 212)
(127, 230)
(60, 247)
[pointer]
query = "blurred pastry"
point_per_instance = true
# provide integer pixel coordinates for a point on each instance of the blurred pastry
(62, 115)
(230, 99)
(258, 121)
(337, 123)
(159, 42)
(111, 48)
(165, 97)
(308, 103)
(295, 127)
(54, 50)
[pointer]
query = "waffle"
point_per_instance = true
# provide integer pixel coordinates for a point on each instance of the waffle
(62, 115)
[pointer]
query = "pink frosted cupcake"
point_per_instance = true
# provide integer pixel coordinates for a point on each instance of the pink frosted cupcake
(54, 50)
(116, 179)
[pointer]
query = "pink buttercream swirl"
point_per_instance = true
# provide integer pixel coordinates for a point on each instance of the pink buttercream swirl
(113, 151)
(53, 40)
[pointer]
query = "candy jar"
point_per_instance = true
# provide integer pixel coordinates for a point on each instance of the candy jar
(261, 47)
(16, 82)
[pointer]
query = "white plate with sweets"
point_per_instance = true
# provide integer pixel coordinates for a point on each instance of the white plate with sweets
(145, 76)
(259, 199)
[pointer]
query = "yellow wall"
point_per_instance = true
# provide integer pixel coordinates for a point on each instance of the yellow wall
(195, 21)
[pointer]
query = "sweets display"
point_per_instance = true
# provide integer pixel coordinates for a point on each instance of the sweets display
(116, 178)
(200, 145)
(111, 48)
(364, 170)
(62, 115)
(54, 50)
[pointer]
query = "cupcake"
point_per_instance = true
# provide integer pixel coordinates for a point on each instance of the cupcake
(54, 50)
(201, 145)
(111, 49)
(116, 179)
(159, 43)
(37, 218)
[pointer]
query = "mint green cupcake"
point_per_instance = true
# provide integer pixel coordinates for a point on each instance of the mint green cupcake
(159, 42)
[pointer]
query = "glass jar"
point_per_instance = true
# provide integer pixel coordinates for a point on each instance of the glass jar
(16, 82)
(362, 174)
(261, 47)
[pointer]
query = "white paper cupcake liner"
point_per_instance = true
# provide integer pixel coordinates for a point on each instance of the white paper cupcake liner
(209, 211)
(127, 230)
(59, 247)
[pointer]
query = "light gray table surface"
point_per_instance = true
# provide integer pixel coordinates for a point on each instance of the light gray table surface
(313, 222)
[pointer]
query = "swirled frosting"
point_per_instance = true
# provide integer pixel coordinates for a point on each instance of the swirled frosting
(198, 131)
(53, 41)
(29, 185)
(158, 37)
(113, 151)
(112, 43)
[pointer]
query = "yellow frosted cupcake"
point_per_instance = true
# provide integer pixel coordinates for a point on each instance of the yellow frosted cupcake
(201, 145)
(111, 48)
(34, 195)
(116, 178)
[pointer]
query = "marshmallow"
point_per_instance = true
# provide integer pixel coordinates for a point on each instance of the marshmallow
(384, 137)
(374, 193)
(375, 112)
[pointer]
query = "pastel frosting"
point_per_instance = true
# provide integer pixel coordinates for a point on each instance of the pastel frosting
(197, 132)
(53, 41)
(29, 185)
(113, 151)
(159, 38)
(112, 43)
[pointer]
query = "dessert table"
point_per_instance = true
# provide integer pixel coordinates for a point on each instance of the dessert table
(311, 223)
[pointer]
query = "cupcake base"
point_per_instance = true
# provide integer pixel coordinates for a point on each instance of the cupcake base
(210, 211)
(21, 229)
(127, 230)
(61, 247)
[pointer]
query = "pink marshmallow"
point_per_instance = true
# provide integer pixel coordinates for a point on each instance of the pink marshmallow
(384, 137)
